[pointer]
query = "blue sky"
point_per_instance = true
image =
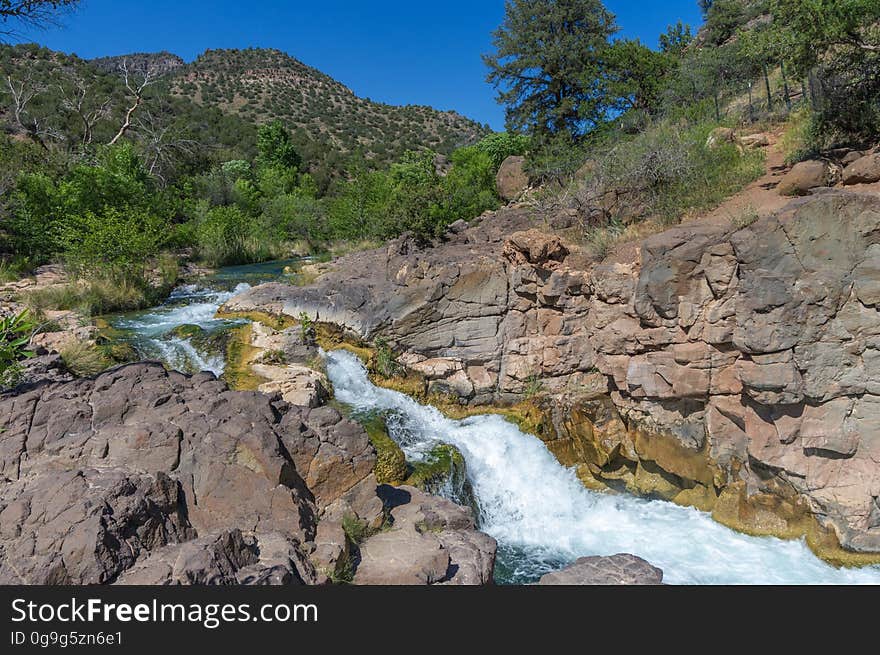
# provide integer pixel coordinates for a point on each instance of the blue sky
(395, 51)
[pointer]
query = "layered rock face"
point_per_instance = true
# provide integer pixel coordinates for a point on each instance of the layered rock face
(143, 476)
(737, 366)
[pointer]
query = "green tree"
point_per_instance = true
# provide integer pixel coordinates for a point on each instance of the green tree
(547, 65)
(636, 76)
(501, 145)
(276, 147)
(676, 39)
(812, 29)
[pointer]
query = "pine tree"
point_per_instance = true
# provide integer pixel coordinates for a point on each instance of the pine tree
(547, 65)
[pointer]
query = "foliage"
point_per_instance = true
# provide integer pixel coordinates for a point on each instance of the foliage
(665, 171)
(307, 331)
(86, 360)
(384, 363)
(547, 65)
(356, 529)
(636, 76)
(837, 44)
(501, 145)
(15, 334)
(276, 148)
(676, 39)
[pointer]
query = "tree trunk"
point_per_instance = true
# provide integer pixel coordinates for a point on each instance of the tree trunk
(785, 91)
(767, 85)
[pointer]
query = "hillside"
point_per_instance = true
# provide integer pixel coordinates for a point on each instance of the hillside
(162, 62)
(263, 85)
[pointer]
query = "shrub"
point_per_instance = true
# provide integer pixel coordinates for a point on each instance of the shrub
(15, 334)
(384, 363)
(86, 360)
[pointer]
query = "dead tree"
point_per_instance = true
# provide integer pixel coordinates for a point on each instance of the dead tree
(146, 77)
(76, 101)
(161, 145)
(23, 92)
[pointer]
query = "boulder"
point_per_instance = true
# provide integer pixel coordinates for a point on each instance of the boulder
(430, 541)
(754, 141)
(720, 136)
(615, 570)
(865, 170)
(141, 458)
(512, 179)
(805, 176)
(298, 385)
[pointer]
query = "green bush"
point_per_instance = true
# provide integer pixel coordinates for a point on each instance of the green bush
(15, 334)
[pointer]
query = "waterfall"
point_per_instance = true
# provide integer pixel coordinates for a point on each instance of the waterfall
(543, 517)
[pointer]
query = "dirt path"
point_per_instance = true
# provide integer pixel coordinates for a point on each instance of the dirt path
(758, 199)
(761, 198)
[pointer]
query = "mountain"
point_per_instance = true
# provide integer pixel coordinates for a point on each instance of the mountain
(263, 85)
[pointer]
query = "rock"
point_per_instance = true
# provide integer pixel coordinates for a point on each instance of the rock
(865, 170)
(534, 247)
(57, 342)
(442, 165)
(141, 458)
(45, 367)
(754, 141)
(720, 136)
(298, 385)
(850, 157)
(403, 556)
(431, 541)
(213, 560)
(721, 348)
(805, 176)
(512, 180)
(614, 570)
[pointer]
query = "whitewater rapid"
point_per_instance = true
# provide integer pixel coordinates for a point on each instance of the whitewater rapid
(187, 305)
(543, 517)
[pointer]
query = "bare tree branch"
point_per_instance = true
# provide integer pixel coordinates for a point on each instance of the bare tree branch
(31, 13)
(146, 77)
(23, 93)
(161, 146)
(75, 101)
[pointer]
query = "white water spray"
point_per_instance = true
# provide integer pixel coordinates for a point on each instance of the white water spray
(187, 305)
(544, 518)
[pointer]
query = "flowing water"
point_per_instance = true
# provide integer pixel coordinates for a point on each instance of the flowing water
(544, 518)
(541, 515)
(153, 332)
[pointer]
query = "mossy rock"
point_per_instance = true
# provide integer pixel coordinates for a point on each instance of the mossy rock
(444, 464)
(391, 465)
(275, 321)
(239, 355)
(185, 332)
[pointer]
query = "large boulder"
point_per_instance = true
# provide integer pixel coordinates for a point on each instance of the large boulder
(430, 541)
(807, 175)
(99, 473)
(615, 570)
(865, 170)
(512, 179)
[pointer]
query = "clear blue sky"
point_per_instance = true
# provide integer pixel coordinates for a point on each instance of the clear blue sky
(394, 51)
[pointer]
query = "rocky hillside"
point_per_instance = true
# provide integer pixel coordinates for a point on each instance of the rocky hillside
(162, 62)
(263, 85)
(723, 366)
